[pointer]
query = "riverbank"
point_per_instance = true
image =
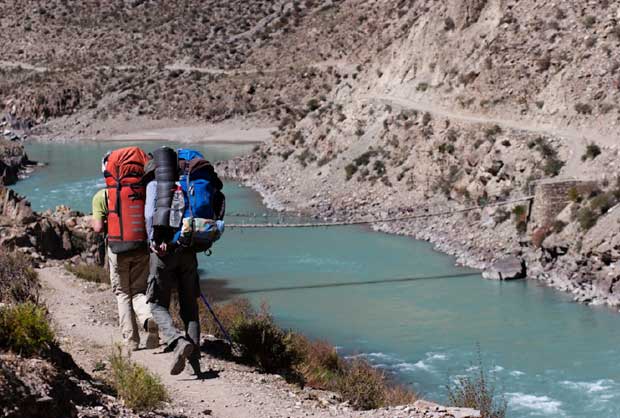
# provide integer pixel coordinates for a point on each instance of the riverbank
(477, 239)
(82, 127)
(78, 323)
(87, 329)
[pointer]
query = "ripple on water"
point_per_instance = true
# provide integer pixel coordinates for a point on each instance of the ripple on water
(535, 405)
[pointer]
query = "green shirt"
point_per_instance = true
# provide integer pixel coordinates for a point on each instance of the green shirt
(100, 205)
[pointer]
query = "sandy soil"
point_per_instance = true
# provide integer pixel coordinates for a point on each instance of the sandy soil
(83, 128)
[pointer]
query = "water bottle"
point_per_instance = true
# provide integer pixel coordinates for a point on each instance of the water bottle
(177, 208)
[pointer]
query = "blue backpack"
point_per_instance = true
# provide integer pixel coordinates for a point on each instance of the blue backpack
(201, 225)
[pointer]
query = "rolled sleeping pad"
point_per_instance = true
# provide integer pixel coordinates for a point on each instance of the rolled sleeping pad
(166, 173)
(165, 157)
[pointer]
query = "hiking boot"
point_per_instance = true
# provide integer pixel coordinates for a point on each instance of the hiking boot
(182, 351)
(194, 362)
(152, 340)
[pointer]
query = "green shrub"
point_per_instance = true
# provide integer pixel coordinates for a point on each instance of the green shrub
(265, 345)
(364, 159)
(18, 281)
(426, 118)
(286, 154)
(603, 202)
(520, 217)
(583, 108)
(139, 389)
(89, 272)
(475, 391)
(315, 363)
(446, 148)
(448, 24)
(553, 166)
(592, 151)
(25, 329)
(558, 226)
(587, 218)
(422, 87)
(350, 170)
(574, 195)
(362, 385)
(379, 167)
(306, 157)
(491, 132)
(313, 104)
(321, 363)
(589, 21)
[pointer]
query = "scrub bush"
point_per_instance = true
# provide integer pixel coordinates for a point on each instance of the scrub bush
(475, 391)
(18, 281)
(264, 344)
(25, 329)
(520, 218)
(350, 171)
(592, 151)
(587, 218)
(139, 389)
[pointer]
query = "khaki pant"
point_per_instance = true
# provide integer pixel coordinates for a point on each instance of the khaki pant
(128, 274)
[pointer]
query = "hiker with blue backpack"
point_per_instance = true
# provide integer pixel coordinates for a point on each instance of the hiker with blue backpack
(184, 213)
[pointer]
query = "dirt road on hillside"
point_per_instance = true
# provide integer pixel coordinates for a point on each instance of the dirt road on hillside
(574, 139)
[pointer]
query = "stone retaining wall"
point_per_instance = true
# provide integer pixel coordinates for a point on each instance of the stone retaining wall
(551, 197)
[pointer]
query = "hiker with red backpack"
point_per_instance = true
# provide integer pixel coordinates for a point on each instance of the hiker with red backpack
(118, 211)
(184, 216)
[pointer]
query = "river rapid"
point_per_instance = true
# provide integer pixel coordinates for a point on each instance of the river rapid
(422, 318)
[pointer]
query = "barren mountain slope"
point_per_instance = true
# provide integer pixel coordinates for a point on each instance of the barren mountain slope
(477, 102)
(383, 107)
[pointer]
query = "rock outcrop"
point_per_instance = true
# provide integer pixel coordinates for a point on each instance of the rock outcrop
(59, 235)
(509, 268)
(13, 160)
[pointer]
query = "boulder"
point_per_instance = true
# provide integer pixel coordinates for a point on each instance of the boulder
(509, 268)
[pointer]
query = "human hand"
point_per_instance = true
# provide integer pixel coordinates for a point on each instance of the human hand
(160, 249)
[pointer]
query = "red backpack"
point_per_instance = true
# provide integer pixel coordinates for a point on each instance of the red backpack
(126, 197)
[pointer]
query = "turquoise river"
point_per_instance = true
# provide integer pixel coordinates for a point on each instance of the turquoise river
(550, 357)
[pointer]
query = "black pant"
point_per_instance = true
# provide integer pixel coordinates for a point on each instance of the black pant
(176, 270)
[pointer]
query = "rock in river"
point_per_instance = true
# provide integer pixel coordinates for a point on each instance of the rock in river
(509, 268)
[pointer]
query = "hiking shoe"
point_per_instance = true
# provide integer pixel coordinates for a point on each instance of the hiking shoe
(182, 351)
(194, 369)
(152, 340)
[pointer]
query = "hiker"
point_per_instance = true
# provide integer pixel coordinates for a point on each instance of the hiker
(118, 211)
(183, 212)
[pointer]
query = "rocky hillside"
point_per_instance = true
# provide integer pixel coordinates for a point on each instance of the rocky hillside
(382, 107)
(58, 235)
(469, 103)
(194, 60)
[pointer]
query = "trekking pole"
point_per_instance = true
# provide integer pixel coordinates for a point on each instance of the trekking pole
(217, 321)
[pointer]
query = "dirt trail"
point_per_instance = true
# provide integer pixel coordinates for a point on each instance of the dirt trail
(575, 139)
(84, 316)
(183, 66)
(230, 390)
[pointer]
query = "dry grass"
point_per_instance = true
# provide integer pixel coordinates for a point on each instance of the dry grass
(139, 389)
(475, 391)
(18, 281)
(89, 272)
(308, 362)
